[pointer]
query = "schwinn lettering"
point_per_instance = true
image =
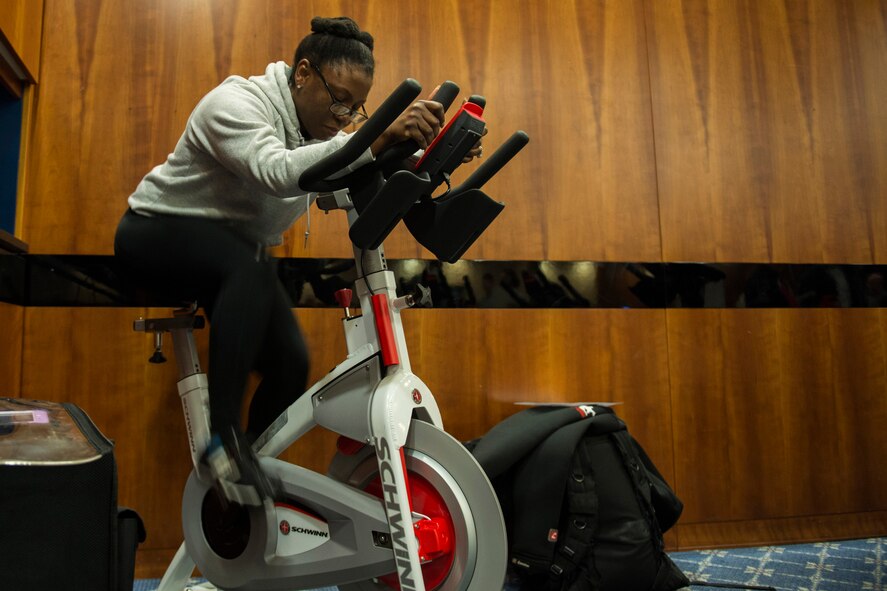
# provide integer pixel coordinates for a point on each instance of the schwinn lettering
(310, 532)
(398, 534)
(189, 429)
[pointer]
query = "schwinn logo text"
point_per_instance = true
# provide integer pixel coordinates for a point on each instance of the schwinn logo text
(398, 535)
(286, 530)
(189, 430)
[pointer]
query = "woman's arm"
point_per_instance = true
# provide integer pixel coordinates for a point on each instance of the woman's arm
(234, 127)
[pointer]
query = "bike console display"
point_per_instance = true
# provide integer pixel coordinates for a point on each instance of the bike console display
(453, 142)
(393, 189)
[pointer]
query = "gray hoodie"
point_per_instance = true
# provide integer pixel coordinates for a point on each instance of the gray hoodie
(240, 159)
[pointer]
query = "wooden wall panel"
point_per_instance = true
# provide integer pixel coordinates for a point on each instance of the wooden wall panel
(769, 133)
(91, 357)
(773, 419)
(789, 530)
(477, 362)
(21, 23)
(120, 82)
(11, 319)
(771, 129)
(778, 413)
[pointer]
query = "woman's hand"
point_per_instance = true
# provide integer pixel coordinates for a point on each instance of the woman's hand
(421, 122)
(478, 150)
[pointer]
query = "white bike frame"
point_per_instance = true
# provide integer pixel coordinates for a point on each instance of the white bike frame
(353, 400)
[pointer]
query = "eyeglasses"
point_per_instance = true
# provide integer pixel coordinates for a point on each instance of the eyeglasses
(340, 109)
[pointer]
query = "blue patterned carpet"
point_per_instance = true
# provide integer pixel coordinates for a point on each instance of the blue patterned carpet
(828, 566)
(857, 565)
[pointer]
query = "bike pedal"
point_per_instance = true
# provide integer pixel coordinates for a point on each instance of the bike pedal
(242, 494)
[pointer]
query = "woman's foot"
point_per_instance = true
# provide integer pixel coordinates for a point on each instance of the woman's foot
(231, 466)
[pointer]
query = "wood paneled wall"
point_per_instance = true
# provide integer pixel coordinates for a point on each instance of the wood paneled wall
(478, 362)
(778, 414)
(21, 23)
(673, 130)
(771, 129)
(715, 130)
(120, 83)
(767, 422)
(11, 327)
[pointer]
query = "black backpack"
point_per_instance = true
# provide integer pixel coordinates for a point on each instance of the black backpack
(584, 505)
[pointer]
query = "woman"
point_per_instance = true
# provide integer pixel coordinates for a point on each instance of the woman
(200, 222)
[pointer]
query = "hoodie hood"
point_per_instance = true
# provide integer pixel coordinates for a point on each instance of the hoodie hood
(274, 85)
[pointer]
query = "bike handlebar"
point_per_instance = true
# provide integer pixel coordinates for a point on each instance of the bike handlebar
(314, 177)
(396, 154)
(446, 94)
(494, 163)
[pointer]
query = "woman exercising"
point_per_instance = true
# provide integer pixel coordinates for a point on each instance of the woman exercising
(198, 224)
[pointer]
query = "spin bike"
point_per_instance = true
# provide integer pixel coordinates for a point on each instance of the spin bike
(404, 505)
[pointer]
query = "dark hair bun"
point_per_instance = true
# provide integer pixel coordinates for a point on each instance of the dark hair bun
(343, 27)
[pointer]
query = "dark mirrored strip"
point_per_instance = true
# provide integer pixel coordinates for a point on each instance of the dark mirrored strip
(44, 280)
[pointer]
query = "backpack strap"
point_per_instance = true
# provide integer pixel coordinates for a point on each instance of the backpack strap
(642, 485)
(570, 559)
(668, 576)
(667, 505)
(541, 485)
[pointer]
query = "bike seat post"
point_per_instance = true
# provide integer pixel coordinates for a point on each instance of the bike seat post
(185, 348)
(192, 384)
(181, 327)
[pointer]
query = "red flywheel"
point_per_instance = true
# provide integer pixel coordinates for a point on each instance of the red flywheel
(435, 534)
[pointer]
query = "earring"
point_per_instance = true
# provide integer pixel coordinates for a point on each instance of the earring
(298, 87)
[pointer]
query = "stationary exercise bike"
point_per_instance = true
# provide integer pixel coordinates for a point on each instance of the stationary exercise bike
(404, 505)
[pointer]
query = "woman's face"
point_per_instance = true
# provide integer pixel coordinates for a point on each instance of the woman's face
(316, 89)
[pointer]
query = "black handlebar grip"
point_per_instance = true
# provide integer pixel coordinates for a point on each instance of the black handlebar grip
(446, 94)
(478, 100)
(494, 163)
(393, 156)
(312, 179)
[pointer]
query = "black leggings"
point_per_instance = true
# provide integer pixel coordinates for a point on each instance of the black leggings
(252, 325)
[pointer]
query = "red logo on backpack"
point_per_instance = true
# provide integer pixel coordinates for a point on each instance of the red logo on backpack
(586, 410)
